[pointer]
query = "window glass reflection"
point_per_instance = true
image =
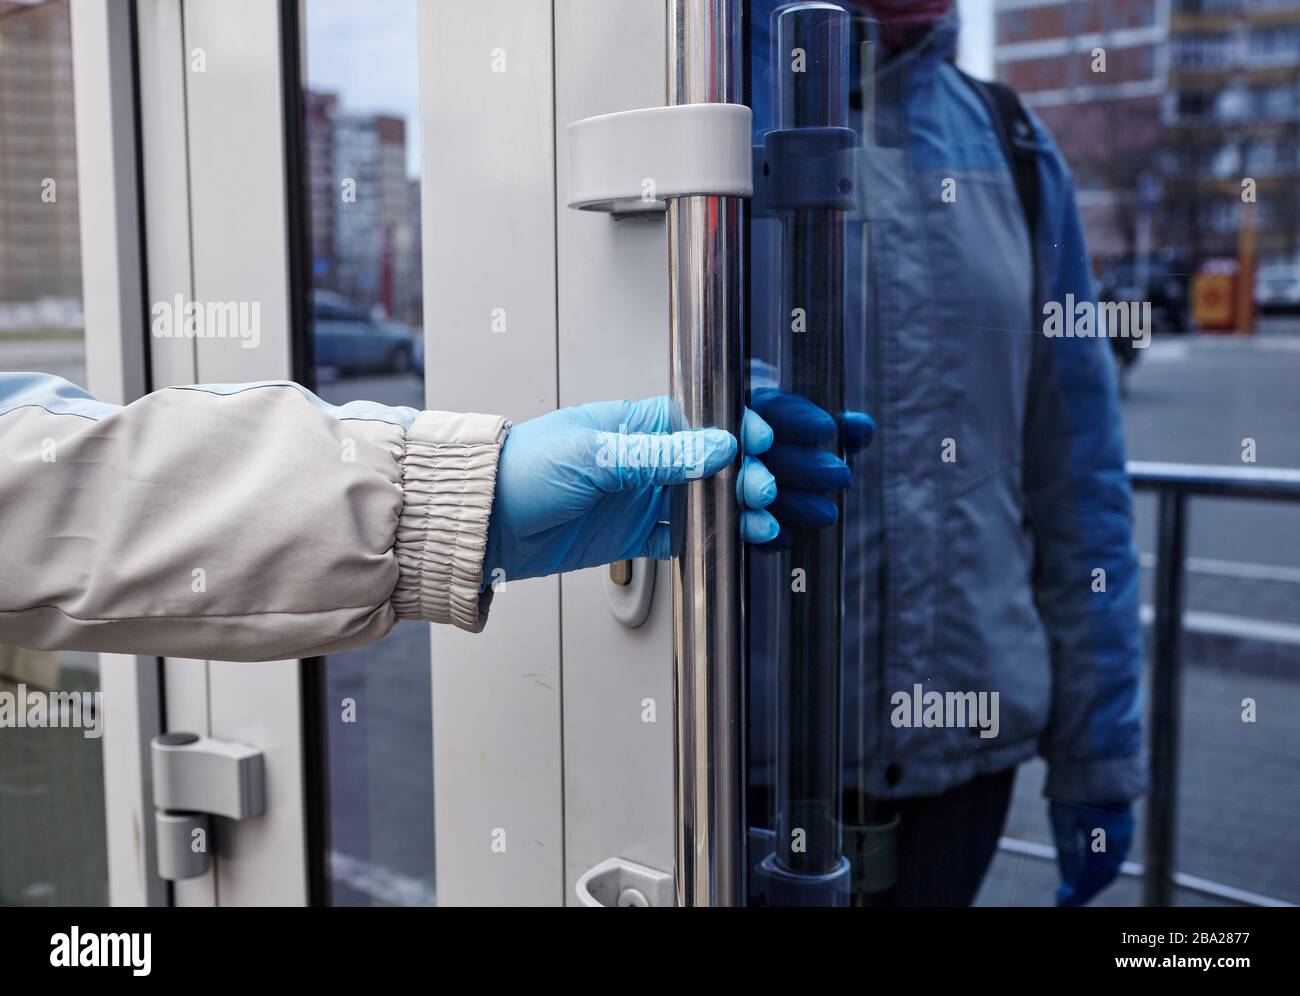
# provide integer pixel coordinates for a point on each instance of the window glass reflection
(361, 100)
(52, 842)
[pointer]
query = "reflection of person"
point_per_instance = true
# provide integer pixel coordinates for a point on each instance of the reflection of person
(256, 522)
(988, 529)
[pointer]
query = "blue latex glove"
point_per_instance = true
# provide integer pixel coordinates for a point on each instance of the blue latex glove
(806, 473)
(1085, 871)
(585, 486)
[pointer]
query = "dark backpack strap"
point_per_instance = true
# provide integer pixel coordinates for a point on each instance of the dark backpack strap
(1016, 134)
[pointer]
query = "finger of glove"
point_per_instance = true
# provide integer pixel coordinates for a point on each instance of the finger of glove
(755, 434)
(783, 540)
(757, 526)
(659, 544)
(807, 468)
(793, 418)
(637, 460)
(755, 485)
(796, 509)
(857, 429)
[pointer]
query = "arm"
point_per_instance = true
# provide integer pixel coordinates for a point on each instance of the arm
(241, 522)
(1080, 511)
(257, 522)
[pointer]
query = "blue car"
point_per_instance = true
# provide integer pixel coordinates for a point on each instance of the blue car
(348, 339)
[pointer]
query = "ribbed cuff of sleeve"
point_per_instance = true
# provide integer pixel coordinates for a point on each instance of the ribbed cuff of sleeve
(449, 473)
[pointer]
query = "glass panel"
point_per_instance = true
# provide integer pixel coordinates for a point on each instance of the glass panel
(897, 264)
(52, 844)
(362, 101)
(811, 343)
(40, 255)
(1187, 191)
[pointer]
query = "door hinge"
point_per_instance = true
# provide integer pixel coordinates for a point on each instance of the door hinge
(194, 779)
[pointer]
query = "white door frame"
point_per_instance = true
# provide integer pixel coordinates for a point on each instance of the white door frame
(488, 222)
(216, 202)
(553, 729)
(116, 371)
(497, 243)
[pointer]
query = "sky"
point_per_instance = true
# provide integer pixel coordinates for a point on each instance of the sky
(369, 55)
(975, 44)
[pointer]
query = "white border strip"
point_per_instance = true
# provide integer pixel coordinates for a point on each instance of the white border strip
(112, 292)
(1206, 887)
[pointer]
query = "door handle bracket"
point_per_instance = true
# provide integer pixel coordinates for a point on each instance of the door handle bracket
(634, 162)
(619, 882)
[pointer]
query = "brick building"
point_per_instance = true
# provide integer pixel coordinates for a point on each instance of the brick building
(367, 245)
(1195, 96)
(1232, 114)
(1095, 71)
(40, 247)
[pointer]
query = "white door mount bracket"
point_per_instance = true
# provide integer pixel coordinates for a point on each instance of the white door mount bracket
(634, 162)
(619, 882)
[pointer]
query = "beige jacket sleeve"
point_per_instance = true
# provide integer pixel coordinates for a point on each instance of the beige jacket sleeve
(236, 522)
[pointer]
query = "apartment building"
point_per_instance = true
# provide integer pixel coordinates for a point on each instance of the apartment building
(363, 208)
(1233, 117)
(40, 252)
(1167, 107)
(1095, 71)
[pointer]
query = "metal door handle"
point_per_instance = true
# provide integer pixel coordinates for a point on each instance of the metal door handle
(693, 160)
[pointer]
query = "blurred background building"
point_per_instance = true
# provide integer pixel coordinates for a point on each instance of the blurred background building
(364, 208)
(40, 256)
(1163, 108)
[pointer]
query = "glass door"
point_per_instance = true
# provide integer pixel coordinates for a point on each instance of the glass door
(361, 179)
(291, 131)
(811, 597)
(53, 848)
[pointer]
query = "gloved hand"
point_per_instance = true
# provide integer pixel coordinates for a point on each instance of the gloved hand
(806, 473)
(1084, 870)
(585, 486)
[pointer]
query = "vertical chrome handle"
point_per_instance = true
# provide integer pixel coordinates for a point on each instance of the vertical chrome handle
(707, 385)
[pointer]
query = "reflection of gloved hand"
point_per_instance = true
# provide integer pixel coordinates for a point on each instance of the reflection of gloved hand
(590, 485)
(805, 472)
(1086, 870)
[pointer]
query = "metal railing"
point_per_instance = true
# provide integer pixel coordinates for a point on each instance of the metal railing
(1174, 484)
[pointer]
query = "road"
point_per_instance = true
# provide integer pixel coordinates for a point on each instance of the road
(1193, 399)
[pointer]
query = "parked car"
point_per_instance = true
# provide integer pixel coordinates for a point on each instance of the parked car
(1167, 286)
(419, 352)
(1277, 287)
(348, 339)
